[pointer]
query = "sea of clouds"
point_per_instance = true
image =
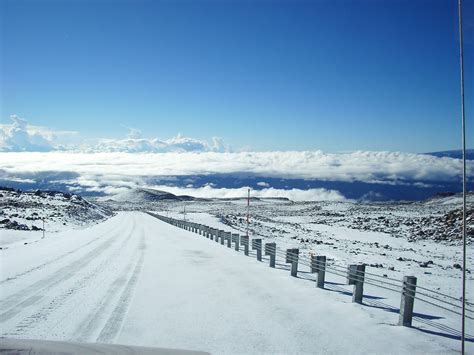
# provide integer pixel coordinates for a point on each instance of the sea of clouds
(32, 153)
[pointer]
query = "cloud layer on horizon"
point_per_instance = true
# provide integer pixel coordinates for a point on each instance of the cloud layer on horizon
(29, 153)
(208, 191)
(20, 136)
(111, 172)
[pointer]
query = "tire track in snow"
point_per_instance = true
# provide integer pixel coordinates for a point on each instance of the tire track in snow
(115, 320)
(11, 303)
(42, 314)
(84, 332)
(41, 266)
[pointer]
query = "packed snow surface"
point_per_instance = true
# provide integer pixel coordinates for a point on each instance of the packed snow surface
(136, 280)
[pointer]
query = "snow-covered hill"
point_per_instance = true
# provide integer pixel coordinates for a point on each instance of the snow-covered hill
(140, 199)
(25, 210)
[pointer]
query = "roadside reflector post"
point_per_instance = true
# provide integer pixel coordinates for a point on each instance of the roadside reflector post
(244, 240)
(257, 245)
(320, 264)
(408, 300)
(292, 256)
(228, 236)
(235, 239)
(355, 276)
(270, 249)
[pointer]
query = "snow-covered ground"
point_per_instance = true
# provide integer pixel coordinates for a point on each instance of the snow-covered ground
(385, 241)
(23, 213)
(133, 279)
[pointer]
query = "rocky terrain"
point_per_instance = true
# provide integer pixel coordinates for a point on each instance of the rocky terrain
(26, 210)
(437, 219)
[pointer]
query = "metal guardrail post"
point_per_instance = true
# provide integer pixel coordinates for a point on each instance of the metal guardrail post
(270, 249)
(355, 276)
(221, 235)
(228, 236)
(235, 239)
(244, 240)
(257, 245)
(321, 270)
(292, 256)
(314, 267)
(408, 300)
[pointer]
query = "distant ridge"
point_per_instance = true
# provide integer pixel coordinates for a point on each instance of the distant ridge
(456, 154)
(141, 195)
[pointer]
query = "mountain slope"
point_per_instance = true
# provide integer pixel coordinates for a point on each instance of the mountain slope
(26, 210)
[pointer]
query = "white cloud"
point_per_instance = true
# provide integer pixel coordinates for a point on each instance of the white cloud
(112, 164)
(134, 143)
(17, 137)
(20, 136)
(371, 167)
(241, 192)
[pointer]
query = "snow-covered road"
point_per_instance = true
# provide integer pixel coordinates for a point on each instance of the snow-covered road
(136, 280)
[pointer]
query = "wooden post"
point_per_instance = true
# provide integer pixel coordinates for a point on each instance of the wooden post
(270, 249)
(408, 300)
(221, 235)
(292, 256)
(257, 245)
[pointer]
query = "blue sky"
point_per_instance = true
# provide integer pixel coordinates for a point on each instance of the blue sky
(270, 75)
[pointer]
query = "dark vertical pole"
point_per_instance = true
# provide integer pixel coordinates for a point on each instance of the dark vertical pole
(463, 133)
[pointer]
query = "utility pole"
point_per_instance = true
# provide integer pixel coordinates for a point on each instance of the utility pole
(463, 135)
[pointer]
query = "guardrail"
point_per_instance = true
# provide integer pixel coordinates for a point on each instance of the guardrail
(355, 274)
